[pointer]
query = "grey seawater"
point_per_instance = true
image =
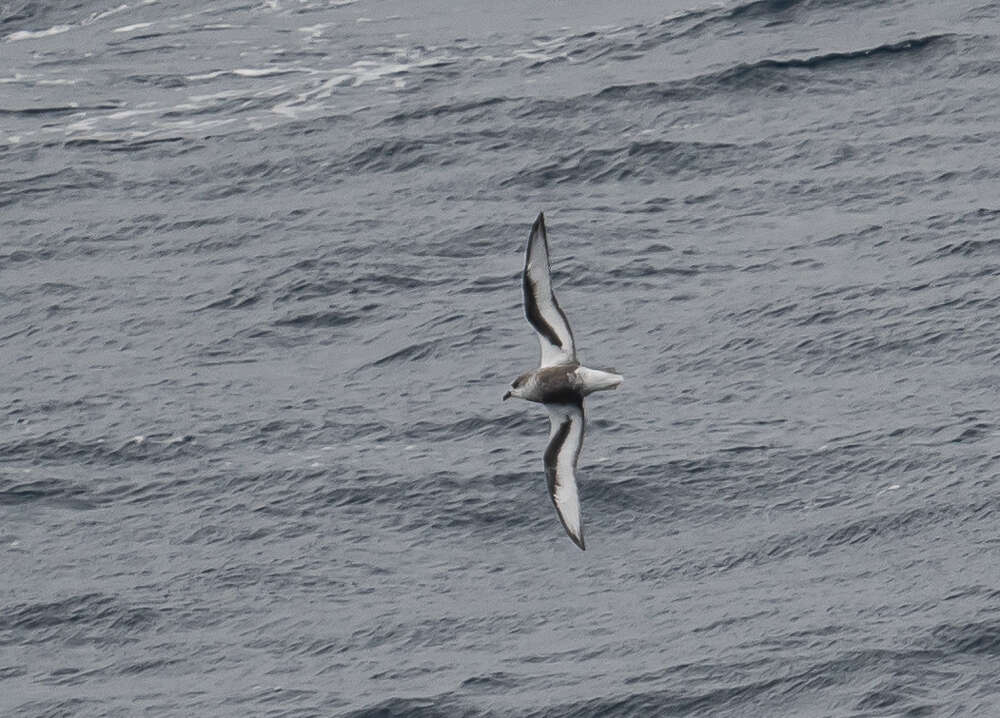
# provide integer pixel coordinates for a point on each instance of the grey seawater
(259, 300)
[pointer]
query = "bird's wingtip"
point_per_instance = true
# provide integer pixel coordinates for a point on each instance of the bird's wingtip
(576, 538)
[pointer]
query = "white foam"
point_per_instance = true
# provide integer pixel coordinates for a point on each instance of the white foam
(29, 80)
(206, 75)
(103, 14)
(266, 71)
(85, 125)
(35, 34)
(132, 28)
(131, 113)
(316, 30)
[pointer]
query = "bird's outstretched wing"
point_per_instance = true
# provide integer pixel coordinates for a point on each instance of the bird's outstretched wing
(540, 305)
(565, 440)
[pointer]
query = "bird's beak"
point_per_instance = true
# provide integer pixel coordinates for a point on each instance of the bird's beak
(506, 396)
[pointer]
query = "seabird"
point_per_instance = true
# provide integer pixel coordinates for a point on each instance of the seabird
(560, 382)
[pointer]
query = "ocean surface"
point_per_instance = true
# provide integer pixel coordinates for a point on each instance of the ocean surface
(260, 298)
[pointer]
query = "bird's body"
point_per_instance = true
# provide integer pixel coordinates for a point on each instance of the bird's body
(560, 383)
(563, 383)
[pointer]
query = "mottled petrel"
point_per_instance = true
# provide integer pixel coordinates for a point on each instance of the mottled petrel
(560, 382)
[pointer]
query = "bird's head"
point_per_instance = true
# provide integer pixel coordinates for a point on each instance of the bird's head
(517, 387)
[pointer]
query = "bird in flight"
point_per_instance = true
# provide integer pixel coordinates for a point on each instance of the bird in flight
(560, 382)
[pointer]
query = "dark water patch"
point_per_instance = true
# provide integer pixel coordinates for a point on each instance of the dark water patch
(615, 486)
(857, 196)
(781, 75)
(614, 499)
(470, 110)
(359, 429)
(637, 161)
(278, 429)
(484, 284)
(476, 242)
(888, 695)
(976, 432)
(392, 280)
(742, 17)
(725, 700)
(328, 319)
(12, 672)
(181, 144)
(138, 37)
(31, 14)
(655, 205)
(424, 351)
(414, 352)
(974, 218)
(741, 693)
(968, 248)
(65, 183)
(398, 155)
(463, 428)
(437, 632)
(820, 540)
(12, 14)
(625, 44)
(64, 708)
(766, 71)
(497, 680)
(240, 297)
(643, 269)
(55, 492)
(443, 707)
(767, 8)
(786, 10)
(977, 638)
(422, 505)
(87, 618)
(842, 350)
(37, 113)
(402, 278)
(134, 668)
(59, 450)
(310, 491)
(986, 11)
(223, 179)
(867, 234)
(167, 81)
(829, 315)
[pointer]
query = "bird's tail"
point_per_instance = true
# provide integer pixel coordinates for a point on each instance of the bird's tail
(599, 380)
